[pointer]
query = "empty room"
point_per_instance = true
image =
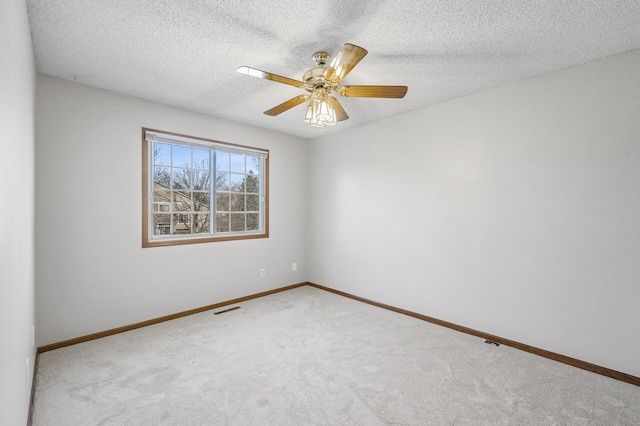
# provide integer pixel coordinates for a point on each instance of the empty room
(318, 213)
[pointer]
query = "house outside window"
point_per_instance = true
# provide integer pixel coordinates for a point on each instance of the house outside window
(201, 190)
(163, 229)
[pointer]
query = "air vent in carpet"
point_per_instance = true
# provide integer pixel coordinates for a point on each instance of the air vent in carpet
(226, 310)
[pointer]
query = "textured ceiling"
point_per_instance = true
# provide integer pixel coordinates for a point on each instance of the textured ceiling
(185, 52)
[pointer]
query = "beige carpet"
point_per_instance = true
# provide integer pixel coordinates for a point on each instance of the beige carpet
(309, 357)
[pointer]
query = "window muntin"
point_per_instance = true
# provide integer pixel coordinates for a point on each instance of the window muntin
(202, 190)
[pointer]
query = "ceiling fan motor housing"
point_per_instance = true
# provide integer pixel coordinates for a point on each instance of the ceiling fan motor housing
(314, 78)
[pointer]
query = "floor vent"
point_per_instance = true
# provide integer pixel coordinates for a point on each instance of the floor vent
(226, 310)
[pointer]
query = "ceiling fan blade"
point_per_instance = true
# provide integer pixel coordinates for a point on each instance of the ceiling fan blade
(373, 91)
(269, 76)
(344, 62)
(341, 114)
(287, 105)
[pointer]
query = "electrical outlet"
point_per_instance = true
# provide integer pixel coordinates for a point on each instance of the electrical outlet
(294, 266)
(263, 273)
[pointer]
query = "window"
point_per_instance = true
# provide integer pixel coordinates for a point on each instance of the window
(163, 229)
(199, 190)
(162, 207)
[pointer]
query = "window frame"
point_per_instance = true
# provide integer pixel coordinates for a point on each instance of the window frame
(149, 239)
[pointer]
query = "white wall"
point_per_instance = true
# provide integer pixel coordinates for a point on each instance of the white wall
(515, 211)
(91, 272)
(17, 92)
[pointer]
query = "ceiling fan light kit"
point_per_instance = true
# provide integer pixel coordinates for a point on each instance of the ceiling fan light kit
(320, 112)
(322, 81)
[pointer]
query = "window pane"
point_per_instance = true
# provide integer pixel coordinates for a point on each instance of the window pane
(162, 196)
(253, 222)
(222, 161)
(253, 165)
(161, 224)
(181, 156)
(222, 202)
(181, 201)
(237, 182)
(201, 201)
(200, 180)
(181, 224)
(222, 181)
(200, 159)
(181, 179)
(222, 222)
(162, 177)
(252, 184)
(237, 222)
(161, 154)
(237, 163)
(252, 203)
(201, 223)
(237, 202)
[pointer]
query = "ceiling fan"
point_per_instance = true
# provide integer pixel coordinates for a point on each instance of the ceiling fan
(322, 82)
